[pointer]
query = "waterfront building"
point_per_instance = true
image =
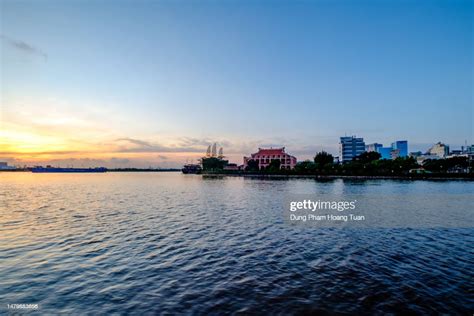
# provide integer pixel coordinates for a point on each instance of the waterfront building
(422, 158)
(232, 167)
(265, 156)
(213, 160)
(439, 149)
(457, 152)
(465, 151)
(394, 154)
(350, 147)
(5, 166)
(373, 147)
(397, 149)
(415, 154)
(385, 152)
(402, 147)
(470, 152)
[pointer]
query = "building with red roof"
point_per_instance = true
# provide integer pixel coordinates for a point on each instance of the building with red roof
(265, 156)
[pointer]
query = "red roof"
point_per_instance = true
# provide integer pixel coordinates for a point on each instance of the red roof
(271, 151)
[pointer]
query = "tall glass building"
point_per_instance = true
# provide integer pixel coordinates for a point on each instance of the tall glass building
(349, 147)
(402, 146)
(385, 152)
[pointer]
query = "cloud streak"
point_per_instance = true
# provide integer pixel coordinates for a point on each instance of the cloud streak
(25, 47)
(135, 141)
(142, 146)
(41, 153)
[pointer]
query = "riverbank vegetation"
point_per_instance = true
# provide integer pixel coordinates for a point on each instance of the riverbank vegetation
(367, 164)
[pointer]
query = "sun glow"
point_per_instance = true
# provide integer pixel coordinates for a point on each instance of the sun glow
(64, 135)
(25, 142)
(22, 145)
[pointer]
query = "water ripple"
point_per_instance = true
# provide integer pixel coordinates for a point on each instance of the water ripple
(174, 244)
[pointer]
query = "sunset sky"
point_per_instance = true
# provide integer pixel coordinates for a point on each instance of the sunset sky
(153, 83)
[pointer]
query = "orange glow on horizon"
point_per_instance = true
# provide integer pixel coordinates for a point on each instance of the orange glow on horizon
(30, 148)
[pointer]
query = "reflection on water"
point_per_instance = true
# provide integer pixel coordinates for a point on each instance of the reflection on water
(173, 243)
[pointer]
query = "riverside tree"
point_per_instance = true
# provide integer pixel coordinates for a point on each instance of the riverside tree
(323, 158)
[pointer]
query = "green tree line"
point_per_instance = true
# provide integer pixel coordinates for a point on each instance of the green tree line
(366, 164)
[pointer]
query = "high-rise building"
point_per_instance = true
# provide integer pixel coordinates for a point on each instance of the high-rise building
(398, 149)
(373, 147)
(350, 147)
(470, 149)
(439, 149)
(402, 147)
(385, 152)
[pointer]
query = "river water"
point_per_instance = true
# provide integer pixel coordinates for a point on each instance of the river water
(167, 243)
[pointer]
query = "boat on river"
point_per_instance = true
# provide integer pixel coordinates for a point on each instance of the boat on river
(191, 169)
(49, 169)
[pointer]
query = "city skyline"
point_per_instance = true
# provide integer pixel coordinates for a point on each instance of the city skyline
(391, 154)
(155, 83)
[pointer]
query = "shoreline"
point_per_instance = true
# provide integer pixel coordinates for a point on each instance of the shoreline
(108, 170)
(334, 177)
(295, 176)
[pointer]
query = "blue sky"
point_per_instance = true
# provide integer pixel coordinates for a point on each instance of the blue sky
(177, 75)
